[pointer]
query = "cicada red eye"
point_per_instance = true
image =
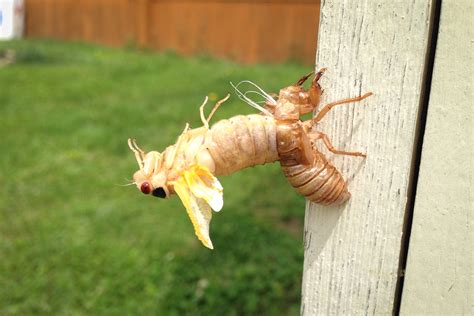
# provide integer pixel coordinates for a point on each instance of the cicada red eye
(145, 187)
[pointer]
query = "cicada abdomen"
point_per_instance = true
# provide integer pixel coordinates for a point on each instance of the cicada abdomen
(306, 168)
(241, 142)
(319, 182)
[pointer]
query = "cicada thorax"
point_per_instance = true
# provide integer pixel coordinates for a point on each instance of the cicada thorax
(306, 168)
(188, 151)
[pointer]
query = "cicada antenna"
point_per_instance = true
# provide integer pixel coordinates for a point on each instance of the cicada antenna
(129, 183)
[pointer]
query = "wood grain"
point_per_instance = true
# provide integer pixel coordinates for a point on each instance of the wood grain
(352, 252)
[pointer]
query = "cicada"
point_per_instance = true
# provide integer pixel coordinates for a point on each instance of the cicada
(190, 167)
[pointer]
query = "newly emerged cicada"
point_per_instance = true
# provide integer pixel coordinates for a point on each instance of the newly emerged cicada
(189, 167)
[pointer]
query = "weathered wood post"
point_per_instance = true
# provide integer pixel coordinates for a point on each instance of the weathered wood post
(438, 277)
(352, 252)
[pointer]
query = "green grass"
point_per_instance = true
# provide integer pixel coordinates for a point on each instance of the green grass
(73, 241)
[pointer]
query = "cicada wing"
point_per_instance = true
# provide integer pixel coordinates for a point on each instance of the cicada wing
(198, 211)
(205, 185)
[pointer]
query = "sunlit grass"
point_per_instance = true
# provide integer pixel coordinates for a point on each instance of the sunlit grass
(73, 240)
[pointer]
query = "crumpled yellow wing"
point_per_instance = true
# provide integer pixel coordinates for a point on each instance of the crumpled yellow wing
(205, 185)
(198, 210)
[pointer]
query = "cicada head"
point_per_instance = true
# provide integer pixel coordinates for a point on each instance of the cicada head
(196, 186)
(151, 178)
(299, 96)
(306, 99)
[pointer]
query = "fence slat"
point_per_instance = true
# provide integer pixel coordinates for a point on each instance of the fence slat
(438, 277)
(352, 252)
(248, 31)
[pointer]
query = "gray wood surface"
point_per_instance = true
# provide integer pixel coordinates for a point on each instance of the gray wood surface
(352, 252)
(438, 277)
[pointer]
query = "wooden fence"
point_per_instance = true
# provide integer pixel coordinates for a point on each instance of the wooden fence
(248, 31)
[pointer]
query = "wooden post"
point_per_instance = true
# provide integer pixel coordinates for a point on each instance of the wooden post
(352, 252)
(438, 277)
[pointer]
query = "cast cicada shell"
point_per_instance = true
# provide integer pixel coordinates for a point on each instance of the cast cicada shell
(189, 167)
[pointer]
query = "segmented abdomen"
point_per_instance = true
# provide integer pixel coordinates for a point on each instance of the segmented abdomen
(241, 142)
(319, 182)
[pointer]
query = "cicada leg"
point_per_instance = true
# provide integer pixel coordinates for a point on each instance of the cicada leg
(329, 106)
(205, 121)
(314, 136)
(218, 104)
(305, 77)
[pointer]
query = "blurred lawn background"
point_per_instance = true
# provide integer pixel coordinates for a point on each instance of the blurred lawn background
(74, 241)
